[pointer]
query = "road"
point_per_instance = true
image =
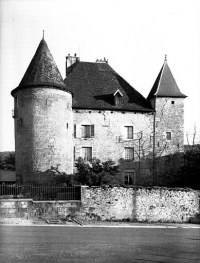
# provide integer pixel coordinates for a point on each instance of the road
(41, 244)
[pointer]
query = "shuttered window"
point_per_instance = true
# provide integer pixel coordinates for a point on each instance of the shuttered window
(87, 153)
(87, 131)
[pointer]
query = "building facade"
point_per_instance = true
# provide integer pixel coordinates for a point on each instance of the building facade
(93, 113)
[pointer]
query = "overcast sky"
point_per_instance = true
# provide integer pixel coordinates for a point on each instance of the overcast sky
(133, 35)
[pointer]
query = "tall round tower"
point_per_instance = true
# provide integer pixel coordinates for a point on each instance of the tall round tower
(43, 119)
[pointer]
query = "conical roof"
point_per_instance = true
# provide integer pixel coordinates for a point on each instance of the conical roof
(165, 85)
(42, 70)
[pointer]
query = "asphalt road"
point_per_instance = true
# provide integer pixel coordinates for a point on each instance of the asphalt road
(40, 244)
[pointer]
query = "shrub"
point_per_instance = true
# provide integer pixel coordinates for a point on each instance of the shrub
(52, 177)
(95, 173)
(8, 162)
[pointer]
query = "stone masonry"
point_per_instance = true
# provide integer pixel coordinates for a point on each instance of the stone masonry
(110, 138)
(169, 118)
(119, 123)
(141, 204)
(43, 137)
(113, 204)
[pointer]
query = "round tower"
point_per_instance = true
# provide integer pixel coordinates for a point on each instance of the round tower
(43, 119)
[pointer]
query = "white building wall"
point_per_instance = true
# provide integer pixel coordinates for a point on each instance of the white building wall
(110, 137)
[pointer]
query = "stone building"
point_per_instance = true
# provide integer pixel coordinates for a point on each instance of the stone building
(93, 113)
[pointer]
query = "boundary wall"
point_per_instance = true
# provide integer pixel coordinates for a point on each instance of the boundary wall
(136, 204)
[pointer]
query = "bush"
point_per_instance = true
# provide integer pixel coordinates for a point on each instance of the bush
(52, 177)
(8, 162)
(189, 174)
(95, 173)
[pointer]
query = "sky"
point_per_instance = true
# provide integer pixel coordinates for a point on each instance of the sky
(134, 35)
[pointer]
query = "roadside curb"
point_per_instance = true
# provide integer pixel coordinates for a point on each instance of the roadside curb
(102, 226)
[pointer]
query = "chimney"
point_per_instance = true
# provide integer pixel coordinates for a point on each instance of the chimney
(71, 60)
(104, 60)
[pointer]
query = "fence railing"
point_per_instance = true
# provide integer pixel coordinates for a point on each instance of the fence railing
(41, 192)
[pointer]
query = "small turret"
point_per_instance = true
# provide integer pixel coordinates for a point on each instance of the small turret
(167, 100)
(165, 85)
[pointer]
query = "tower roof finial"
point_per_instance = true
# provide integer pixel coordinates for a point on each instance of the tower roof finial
(165, 57)
(43, 35)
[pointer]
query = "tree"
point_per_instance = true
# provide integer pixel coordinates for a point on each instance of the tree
(95, 173)
(189, 174)
(52, 177)
(8, 162)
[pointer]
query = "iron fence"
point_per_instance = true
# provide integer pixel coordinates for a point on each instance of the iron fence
(41, 192)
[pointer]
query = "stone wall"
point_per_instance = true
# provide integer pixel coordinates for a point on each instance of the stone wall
(55, 209)
(114, 204)
(13, 208)
(110, 136)
(169, 118)
(141, 204)
(29, 209)
(43, 131)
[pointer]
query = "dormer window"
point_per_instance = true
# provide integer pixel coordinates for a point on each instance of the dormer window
(118, 98)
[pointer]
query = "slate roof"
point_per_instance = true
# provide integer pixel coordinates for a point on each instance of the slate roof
(42, 70)
(165, 85)
(93, 86)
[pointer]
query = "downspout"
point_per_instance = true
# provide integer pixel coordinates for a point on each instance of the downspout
(154, 122)
(139, 148)
(154, 141)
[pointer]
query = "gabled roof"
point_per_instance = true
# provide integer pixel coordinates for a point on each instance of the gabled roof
(94, 85)
(42, 70)
(165, 85)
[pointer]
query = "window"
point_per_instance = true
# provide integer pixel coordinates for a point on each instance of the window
(118, 98)
(87, 131)
(49, 102)
(20, 123)
(172, 102)
(129, 178)
(87, 153)
(129, 132)
(168, 135)
(129, 153)
(16, 101)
